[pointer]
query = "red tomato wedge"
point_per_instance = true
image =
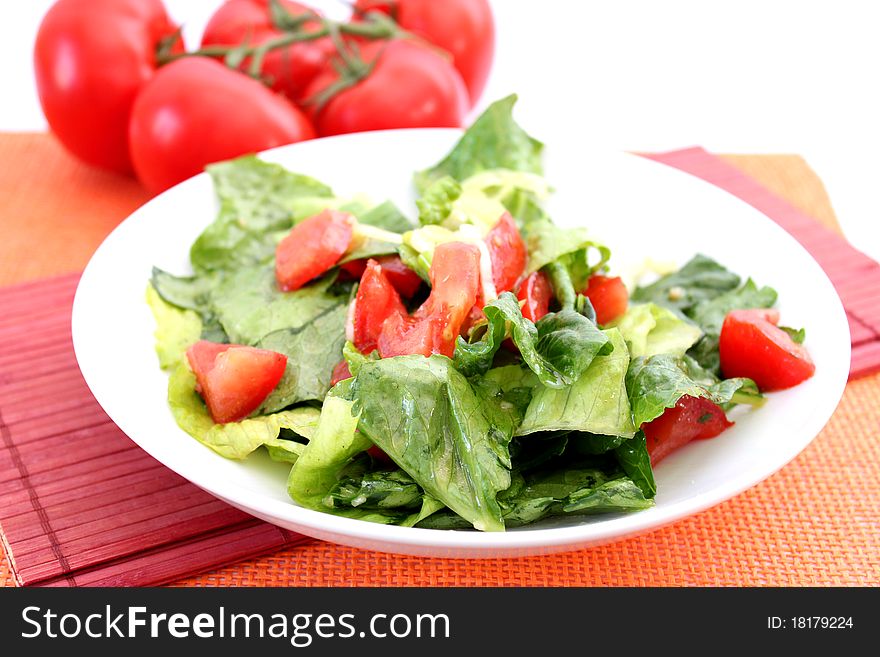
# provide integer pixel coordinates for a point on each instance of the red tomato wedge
(234, 379)
(751, 345)
(507, 252)
(340, 373)
(402, 335)
(690, 419)
(312, 247)
(608, 296)
(435, 326)
(537, 293)
(404, 279)
(376, 301)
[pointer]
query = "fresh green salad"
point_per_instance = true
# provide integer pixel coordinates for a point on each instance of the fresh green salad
(476, 366)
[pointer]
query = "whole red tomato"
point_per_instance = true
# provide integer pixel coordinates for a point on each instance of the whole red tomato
(464, 28)
(410, 86)
(196, 111)
(91, 58)
(289, 69)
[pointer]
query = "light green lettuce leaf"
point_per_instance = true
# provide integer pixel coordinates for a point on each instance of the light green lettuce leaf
(256, 199)
(650, 329)
(176, 330)
(234, 440)
(597, 402)
(191, 293)
(493, 141)
(249, 305)
(573, 248)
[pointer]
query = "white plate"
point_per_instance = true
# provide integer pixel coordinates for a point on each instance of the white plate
(639, 207)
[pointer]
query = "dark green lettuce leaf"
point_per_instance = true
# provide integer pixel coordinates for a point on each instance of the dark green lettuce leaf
(313, 349)
(709, 314)
(494, 141)
(700, 279)
(574, 488)
(379, 489)
(558, 349)
(656, 383)
(450, 436)
(633, 457)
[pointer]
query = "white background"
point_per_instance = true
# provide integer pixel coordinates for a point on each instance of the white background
(752, 76)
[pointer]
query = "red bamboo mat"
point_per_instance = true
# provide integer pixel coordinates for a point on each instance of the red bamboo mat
(82, 505)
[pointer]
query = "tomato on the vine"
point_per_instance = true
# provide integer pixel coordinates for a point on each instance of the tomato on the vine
(463, 28)
(91, 59)
(408, 85)
(289, 69)
(196, 111)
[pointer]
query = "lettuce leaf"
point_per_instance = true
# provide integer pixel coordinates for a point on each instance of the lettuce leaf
(317, 474)
(256, 199)
(312, 351)
(558, 349)
(494, 141)
(579, 488)
(249, 305)
(176, 330)
(700, 279)
(650, 329)
(234, 440)
(597, 402)
(633, 457)
(450, 436)
(656, 383)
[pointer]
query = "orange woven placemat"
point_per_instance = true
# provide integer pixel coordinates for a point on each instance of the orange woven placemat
(813, 523)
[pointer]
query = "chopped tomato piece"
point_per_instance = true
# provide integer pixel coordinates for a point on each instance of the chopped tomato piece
(608, 296)
(435, 326)
(507, 252)
(692, 418)
(340, 373)
(313, 246)
(376, 452)
(537, 292)
(751, 345)
(376, 301)
(402, 335)
(234, 379)
(353, 269)
(404, 279)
